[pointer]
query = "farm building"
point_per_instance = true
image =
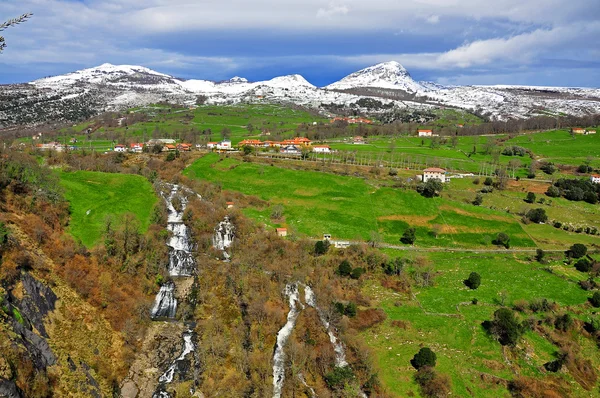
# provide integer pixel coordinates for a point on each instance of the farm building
(281, 232)
(136, 147)
(224, 145)
(252, 143)
(358, 140)
(321, 149)
(577, 130)
(425, 133)
(120, 148)
(211, 145)
(434, 172)
(595, 178)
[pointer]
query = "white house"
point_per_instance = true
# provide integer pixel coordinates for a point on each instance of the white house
(291, 149)
(595, 178)
(224, 145)
(434, 172)
(425, 133)
(281, 232)
(120, 148)
(321, 148)
(136, 147)
(590, 132)
(212, 145)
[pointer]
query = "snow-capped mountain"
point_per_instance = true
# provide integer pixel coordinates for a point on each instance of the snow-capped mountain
(87, 92)
(390, 75)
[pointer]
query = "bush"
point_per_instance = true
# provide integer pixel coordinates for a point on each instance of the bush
(539, 255)
(425, 357)
(537, 216)
(563, 322)
(393, 172)
(578, 250)
(595, 300)
(357, 273)
(339, 376)
(583, 265)
(553, 192)
(584, 168)
(431, 188)
(432, 384)
(409, 236)
(530, 197)
(393, 267)
(473, 281)
(321, 247)
(488, 181)
(170, 156)
(505, 327)
(345, 268)
(548, 168)
(478, 199)
(502, 239)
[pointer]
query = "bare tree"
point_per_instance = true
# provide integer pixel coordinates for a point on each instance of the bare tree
(9, 23)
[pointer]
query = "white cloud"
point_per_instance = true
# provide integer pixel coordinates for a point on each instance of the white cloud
(332, 10)
(433, 19)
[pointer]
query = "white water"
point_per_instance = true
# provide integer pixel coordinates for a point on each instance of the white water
(181, 260)
(188, 346)
(338, 347)
(313, 394)
(165, 303)
(291, 292)
(224, 234)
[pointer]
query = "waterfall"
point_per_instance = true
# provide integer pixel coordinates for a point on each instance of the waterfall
(291, 292)
(181, 260)
(188, 346)
(224, 234)
(340, 354)
(165, 303)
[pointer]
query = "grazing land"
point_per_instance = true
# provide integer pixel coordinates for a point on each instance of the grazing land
(94, 196)
(352, 208)
(444, 318)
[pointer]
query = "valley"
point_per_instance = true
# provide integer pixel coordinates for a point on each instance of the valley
(189, 270)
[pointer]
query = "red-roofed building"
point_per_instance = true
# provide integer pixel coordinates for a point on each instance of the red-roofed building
(252, 143)
(425, 133)
(595, 178)
(577, 130)
(184, 147)
(136, 147)
(434, 172)
(281, 231)
(211, 145)
(120, 148)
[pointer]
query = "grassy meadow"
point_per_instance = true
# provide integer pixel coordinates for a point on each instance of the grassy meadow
(444, 318)
(352, 208)
(94, 196)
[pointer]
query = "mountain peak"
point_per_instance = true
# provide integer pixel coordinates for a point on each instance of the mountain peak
(390, 75)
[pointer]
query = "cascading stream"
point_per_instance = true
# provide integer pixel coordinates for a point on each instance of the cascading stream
(224, 234)
(296, 306)
(188, 346)
(165, 303)
(291, 292)
(340, 353)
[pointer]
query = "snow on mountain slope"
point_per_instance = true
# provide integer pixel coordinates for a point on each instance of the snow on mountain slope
(390, 75)
(113, 87)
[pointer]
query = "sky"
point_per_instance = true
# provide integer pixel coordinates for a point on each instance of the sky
(530, 42)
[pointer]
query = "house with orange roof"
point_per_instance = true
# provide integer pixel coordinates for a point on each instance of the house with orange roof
(281, 232)
(184, 147)
(434, 172)
(120, 148)
(577, 130)
(425, 133)
(595, 178)
(252, 143)
(136, 147)
(211, 145)
(169, 148)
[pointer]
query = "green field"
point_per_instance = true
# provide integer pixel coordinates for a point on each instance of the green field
(351, 208)
(93, 196)
(443, 318)
(553, 146)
